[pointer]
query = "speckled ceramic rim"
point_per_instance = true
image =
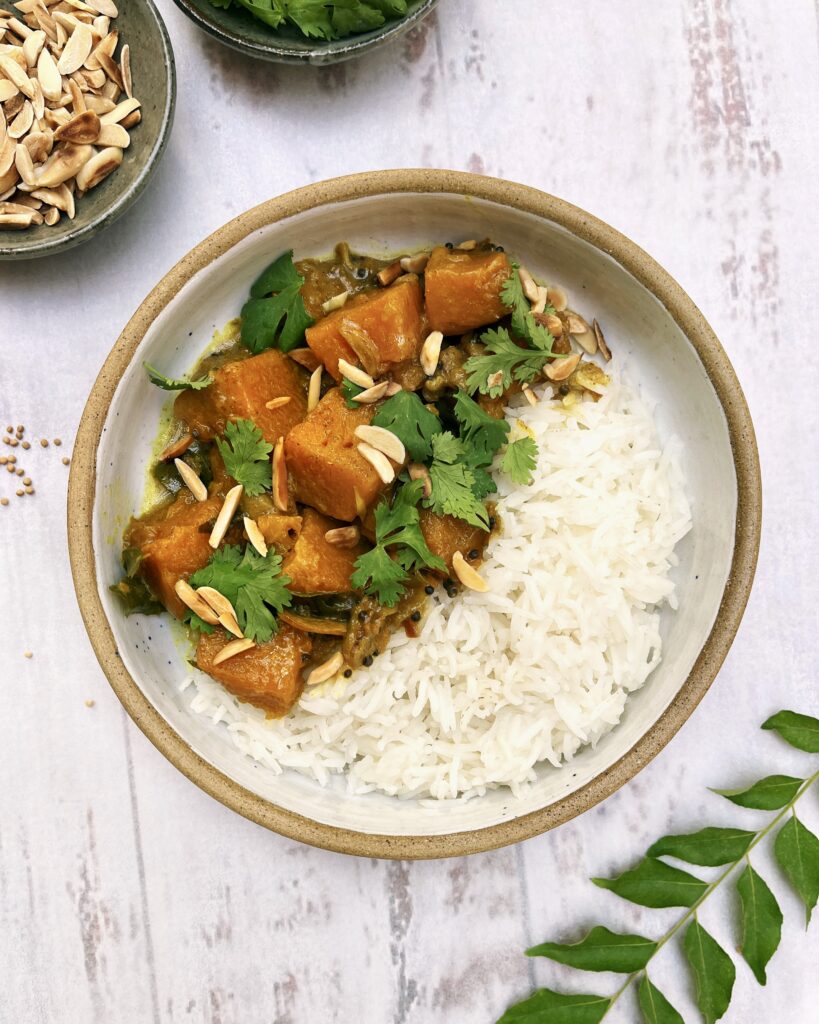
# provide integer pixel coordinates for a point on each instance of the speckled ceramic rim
(319, 54)
(41, 244)
(746, 544)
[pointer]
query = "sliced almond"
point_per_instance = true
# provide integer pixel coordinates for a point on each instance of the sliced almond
(373, 394)
(470, 577)
(120, 111)
(10, 178)
(558, 297)
(76, 49)
(82, 128)
(379, 461)
(177, 448)
(111, 91)
(418, 471)
(16, 221)
(125, 70)
(467, 246)
(59, 197)
(38, 102)
(105, 7)
(336, 302)
(131, 120)
(226, 513)
(8, 149)
(191, 480)
(111, 69)
(529, 284)
(529, 395)
(21, 124)
(383, 440)
(277, 403)
(355, 374)
(94, 79)
(281, 497)
(98, 167)
(431, 352)
(343, 536)
(314, 389)
(232, 649)
(102, 26)
(32, 47)
(305, 357)
(19, 29)
(24, 164)
(27, 203)
(540, 305)
(389, 274)
(230, 623)
(560, 369)
(13, 106)
(65, 162)
(188, 596)
(99, 104)
(77, 98)
(552, 323)
(49, 77)
(415, 264)
(7, 89)
(601, 341)
(327, 669)
(255, 536)
(12, 70)
(51, 216)
(216, 601)
(393, 387)
(495, 380)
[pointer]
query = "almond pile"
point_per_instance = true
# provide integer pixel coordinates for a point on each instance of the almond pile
(66, 104)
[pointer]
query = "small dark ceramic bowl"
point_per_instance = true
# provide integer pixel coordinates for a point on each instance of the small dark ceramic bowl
(239, 29)
(141, 26)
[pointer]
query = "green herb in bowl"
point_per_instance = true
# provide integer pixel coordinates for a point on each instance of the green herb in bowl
(320, 20)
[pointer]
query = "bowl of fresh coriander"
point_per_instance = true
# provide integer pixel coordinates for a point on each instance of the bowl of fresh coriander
(303, 31)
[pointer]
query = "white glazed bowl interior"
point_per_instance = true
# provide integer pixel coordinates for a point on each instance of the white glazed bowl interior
(647, 344)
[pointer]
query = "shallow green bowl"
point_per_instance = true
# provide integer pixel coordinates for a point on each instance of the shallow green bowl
(239, 29)
(140, 25)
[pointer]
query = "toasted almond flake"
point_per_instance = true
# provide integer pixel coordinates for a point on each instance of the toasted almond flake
(560, 369)
(281, 498)
(355, 374)
(102, 26)
(21, 124)
(530, 288)
(233, 648)
(120, 111)
(38, 103)
(64, 163)
(98, 167)
(49, 77)
(314, 389)
(495, 380)
(576, 324)
(19, 29)
(327, 669)
(383, 440)
(393, 387)
(32, 47)
(431, 352)
(305, 357)
(540, 305)
(371, 395)
(254, 535)
(389, 274)
(418, 471)
(552, 323)
(415, 264)
(188, 596)
(177, 447)
(100, 105)
(125, 71)
(51, 216)
(229, 623)
(467, 246)
(13, 107)
(16, 221)
(111, 91)
(8, 148)
(76, 49)
(601, 341)
(111, 69)
(191, 480)
(336, 302)
(24, 164)
(82, 128)
(216, 601)
(470, 577)
(59, 197)
(226, 513)
(529, 395)
(105, 7)
(343, 536)
(95, 79)
(277, 403)
(378, 460)
(7, 89)
(12, 70)
(558, 297)
(77, 98)
(131, 120)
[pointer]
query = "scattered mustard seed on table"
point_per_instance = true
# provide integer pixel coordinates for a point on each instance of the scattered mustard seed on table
(66, 460)
(90, 703)
(25, 445)
(4, 501)
(44, 442)
(28, 654)
(58, 441)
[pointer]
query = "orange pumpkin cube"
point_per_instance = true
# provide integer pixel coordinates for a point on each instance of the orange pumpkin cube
(268, 675)
(462, 290)
(446, 534)
(316, 567)
(375, 329)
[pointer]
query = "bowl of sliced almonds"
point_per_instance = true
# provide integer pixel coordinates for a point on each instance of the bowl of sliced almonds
(87, 92)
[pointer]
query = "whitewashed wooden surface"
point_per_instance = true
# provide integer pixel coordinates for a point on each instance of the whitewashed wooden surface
(126, 895)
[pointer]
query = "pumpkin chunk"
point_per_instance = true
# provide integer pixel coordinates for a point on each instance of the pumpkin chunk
(445, 535)
(463, 289)
(316, 567)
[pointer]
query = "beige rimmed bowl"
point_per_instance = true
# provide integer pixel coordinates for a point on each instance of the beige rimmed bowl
(660, 340)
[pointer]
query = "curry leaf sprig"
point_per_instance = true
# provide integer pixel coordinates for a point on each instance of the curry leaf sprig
(654, 883)
(275, 315)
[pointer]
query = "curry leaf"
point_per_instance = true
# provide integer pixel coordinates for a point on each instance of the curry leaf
(761, 922)
(600, 950)
(801, 731)
(708, 847)
(655, 884)
(769, 794)
(713, 969)
(548, 1007)
(655, 1008)
(797, 850)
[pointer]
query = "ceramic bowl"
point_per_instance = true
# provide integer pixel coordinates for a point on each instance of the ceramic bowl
(657, 334)
(154, 75)
(240, 30)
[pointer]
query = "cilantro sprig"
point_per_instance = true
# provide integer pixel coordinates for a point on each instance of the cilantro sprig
(453, 482)
(176, 383)
(322, 19)
(519, 460)
(400, 548)
(410, 420)
(274, 315)
(246, 455)
(253, 584)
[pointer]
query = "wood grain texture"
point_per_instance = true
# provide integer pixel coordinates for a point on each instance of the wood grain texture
(126, 894)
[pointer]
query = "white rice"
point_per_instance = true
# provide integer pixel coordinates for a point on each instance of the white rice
(536, 668)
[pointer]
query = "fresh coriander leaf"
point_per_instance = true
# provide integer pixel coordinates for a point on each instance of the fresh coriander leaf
(768, 794)
(135, 597)
(655, 1008)
(279, 319)
(708, 847)
(524, 324)
(390, 8)
(254, 585)
(410, 420)
(482, 483)
(247, 456)
(349, 390)
(797, 852)
(600, 950)
(271, 12)
(453, 482)
(362, 17)
(503, 355)
(548, 1007)
(801, 731)
(761, 922)
(176, 383)
(713, 970)
(655, 884)
(519, 460)
(479, 431)
(379, 575)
